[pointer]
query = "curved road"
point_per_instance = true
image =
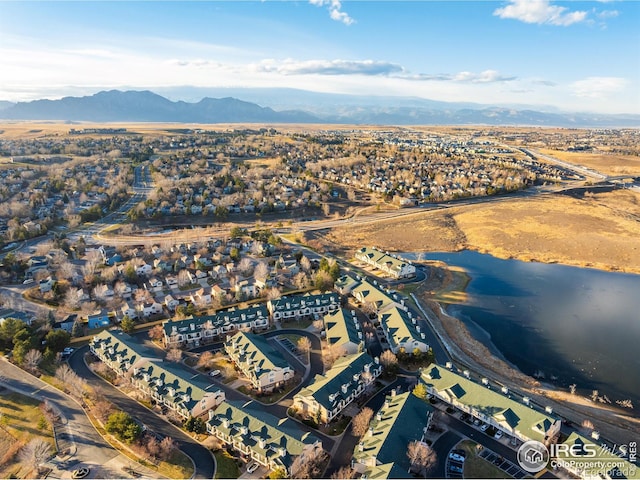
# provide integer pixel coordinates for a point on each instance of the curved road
(201, 456)
(91, 448)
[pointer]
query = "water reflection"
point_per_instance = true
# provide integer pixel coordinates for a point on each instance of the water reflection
(577, 325)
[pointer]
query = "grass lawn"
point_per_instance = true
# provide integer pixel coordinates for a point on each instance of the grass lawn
(478, 467)
(226, 466)
(21, 421)
(273, 397)
(178, 466)
(299, 324)
(292, 337)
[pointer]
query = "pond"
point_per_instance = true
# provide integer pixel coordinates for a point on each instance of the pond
(569, 324)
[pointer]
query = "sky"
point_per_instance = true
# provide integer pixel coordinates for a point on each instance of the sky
(573, 56)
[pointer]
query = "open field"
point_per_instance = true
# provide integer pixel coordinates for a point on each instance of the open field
(609, 164)
(599, 231)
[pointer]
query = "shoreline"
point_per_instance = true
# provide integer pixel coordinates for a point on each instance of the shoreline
(615, 423)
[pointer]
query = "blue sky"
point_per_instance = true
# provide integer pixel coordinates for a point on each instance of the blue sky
(581, 56)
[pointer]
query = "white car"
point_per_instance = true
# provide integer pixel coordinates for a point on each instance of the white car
(498, 435)
(28, 281)
(214, 373)
(253, 466)
(484, 427)
(456, 457)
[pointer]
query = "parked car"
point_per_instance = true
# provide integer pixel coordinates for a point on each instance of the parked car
(28, 281)
(253, 466)
(456, 457)
(498, 435)
(214, 373)
(460, 451)
(455, 468)
(484, 427)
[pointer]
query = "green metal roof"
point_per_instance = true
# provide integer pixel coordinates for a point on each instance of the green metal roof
(342, 373)
(388, 470)
(130, 350)
(257, 351)
(512, 414)
(275, 433)
(401, 420)
(219, 319)
(342, 327)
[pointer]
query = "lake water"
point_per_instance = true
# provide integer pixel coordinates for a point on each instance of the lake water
(576, 325)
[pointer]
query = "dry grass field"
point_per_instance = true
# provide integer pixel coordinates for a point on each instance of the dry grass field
(598, 231)
(609, 164)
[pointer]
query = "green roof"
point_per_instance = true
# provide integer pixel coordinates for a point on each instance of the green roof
(176, 377)
(297, 302)
(511, 414)
(399, 326)
(219, 319)
(381, 472)
(276, 433)
(625, 468)
(381, 258)
(327, 389)
(401, 420)
(258, 352)
(369, 292)
(342, 327)
(124, 345)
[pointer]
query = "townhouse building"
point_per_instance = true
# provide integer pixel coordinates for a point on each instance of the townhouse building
(382, 452)
(303, 306)
(342, 329)
(392, 265)
(492, 404)
(259, 362)
(195, 331)
(331, 393)
(259, 436)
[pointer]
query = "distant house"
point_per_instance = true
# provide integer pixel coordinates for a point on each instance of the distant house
(171, 303)
(24, 317)
(144, 270)
(330, 393)
(263, 365)
(389, 264)
(127, 309)
(151, 308)
(46, 285)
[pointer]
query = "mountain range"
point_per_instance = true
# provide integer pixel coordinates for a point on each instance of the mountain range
(295, 106)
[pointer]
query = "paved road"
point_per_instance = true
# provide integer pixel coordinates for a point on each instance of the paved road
(204, 462)
(442, 446)
(92, 449)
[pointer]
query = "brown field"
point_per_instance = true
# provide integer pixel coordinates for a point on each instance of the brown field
(598, 231)
(609, 164)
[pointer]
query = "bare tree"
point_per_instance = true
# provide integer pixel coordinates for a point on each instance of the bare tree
(245, 266)
(167, 447)
(261, 271)
(71, 299)
(318, 325)
(388, 359)
(331, 354)
(65, 374)
(35, 453)
(304, 345)
(360, 423)
(345, 472)
(156, 333)
(308, 465)
(183, 278)
(301, 280)
(205, 359)
(174, 355)
(273, 293)
(421, 456)
(305, 264)
(572, 388)
(369, 308)
(32, 359)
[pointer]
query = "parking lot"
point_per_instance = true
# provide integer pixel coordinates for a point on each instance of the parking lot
(505, 465)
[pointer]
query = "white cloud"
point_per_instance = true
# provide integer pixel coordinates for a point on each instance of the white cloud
(598, 87)
(327, 67)
(540, 12)
(487, 76)
(335, 10)
(608, 14)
